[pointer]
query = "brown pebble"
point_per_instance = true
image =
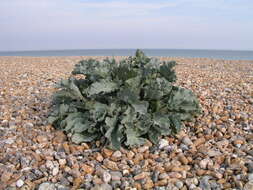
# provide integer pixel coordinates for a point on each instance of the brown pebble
(175, 175)
(137, 186)
(183, 159)
(110, 164)
(140, 176)
(6, 176)
(200, 172)
(87, 169)
(99, 157)
(60, 137)
(199, 141)
(162, 182)
(238, 141)
(107, 152)
(42, 139)
(149, 184)
(66, 147)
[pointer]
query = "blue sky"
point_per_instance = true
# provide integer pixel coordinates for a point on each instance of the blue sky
(88, 24)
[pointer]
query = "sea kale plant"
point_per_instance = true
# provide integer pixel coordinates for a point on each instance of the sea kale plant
(127, 101)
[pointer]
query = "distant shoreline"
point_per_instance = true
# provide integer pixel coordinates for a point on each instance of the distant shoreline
(184, 53)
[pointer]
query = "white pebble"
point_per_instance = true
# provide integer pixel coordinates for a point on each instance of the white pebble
(20, 183)
(163, 143)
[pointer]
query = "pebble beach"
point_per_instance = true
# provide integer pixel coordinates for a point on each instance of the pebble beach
(213, 152)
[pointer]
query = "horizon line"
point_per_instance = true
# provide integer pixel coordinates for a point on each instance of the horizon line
(45, 50)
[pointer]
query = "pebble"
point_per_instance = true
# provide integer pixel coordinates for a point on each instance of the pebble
(175, 175)
(116, 155)
(205, 162)
(106, 177)
(250, 177)
(42, 139)
(204, 183)
(179, 184)
(140, 176)
(116, 176)
(47, 186)
(110, 164)
(20, 183)
(6, 176)
(102, 187)
(143, 149)
(55, 171)
(248, 186)
(163, 143)
(187, 141)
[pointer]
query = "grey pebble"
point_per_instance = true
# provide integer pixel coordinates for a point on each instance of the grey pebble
(204, 183)
(47, 186)
(155, 176)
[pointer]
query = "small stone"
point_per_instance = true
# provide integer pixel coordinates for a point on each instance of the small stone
(155, 176)
(60, 137)
(9, 141)
(162, 182)
(179, 184)
(200, 172)
(183, 159)
(190, 181)
(187, 141)
(204, 183)
(6, 176)
(110, 164)
(140, 176)
(213, 153)
(217, 175)
(29, 125)
(192, 186)
(205, 162)
(163, 143)
(116, 176)
(107, 152)
(42, 139)
(163, 176)
(99, 157)
(250, 177)
(238, 142)
(102, 187)
(125, 172)
(106, 177)
(130, 155)
(62, 162)
(248, 186)
(47, 186)
(199, 141)
(87, 169)
(49, 164)
(175, 175)
(148, 184)
(143, 149)
(55, 171)
(20, 183)
(116, 155)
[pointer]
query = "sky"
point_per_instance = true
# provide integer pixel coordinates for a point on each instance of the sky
(108, 24)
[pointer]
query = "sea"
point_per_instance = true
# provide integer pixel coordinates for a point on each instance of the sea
(187, 53)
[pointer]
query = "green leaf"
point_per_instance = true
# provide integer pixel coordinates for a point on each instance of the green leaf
(113, 132)
(83, 137)
(166, 70)
(183, 102)
(102, 87)
(133, 138)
